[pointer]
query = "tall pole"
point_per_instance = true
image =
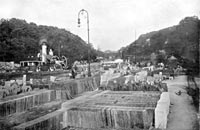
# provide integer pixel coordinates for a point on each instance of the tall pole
(135, 46)
(88, 30)
(59, 50)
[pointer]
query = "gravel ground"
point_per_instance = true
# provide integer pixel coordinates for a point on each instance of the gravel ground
(183, 115)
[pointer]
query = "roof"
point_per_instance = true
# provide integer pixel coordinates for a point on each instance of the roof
(172, 58)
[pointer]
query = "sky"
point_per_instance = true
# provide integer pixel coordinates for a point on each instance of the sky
(113, 23)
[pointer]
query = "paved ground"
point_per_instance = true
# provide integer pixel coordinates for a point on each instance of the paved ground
(182, 113)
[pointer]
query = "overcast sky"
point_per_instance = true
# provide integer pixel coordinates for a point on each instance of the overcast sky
(112, 22)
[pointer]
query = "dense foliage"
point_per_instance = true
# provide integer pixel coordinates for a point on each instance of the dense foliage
(181, 41)
(19, 41)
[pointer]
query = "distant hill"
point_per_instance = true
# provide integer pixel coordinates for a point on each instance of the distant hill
(181, 41)
(109, 51)
(111, 55)
(19, 40)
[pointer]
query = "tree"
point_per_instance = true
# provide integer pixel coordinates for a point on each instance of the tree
(153, 58)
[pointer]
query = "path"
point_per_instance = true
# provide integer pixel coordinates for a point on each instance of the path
(182, 114)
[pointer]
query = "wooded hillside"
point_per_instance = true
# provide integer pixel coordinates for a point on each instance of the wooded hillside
(19, 41)
(181, 41)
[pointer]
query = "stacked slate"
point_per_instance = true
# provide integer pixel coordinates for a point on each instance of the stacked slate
(157, 77)
(13, 87)
(94, 68)
(122, 84)
(118, 118)
(51, 121)
(75, 87)
(141, 76)
(166, 73)
(78, 128)
(4, 66)
(113, 110)
(40, 83)
(108, 75)
(21, 113)
(25, 101)
(16, 119)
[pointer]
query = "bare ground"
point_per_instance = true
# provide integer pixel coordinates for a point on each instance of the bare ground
(183, 115)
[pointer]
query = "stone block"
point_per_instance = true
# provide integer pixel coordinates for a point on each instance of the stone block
(52, 78)
(162, 111)
(164, 97)
(160, 117)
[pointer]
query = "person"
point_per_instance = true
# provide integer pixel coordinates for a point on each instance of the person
(73, 73)
(128, 69)
(174, 72)
(178, 93)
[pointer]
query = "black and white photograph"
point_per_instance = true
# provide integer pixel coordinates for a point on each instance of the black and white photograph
(99, 64)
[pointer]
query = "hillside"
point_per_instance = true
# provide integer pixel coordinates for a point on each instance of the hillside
(19, 40)
(181, 40)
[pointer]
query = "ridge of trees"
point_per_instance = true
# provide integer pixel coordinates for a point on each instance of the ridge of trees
(181, 41)
(19, 41)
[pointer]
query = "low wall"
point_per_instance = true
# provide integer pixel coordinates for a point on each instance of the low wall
(162, 111)
(25, 101)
